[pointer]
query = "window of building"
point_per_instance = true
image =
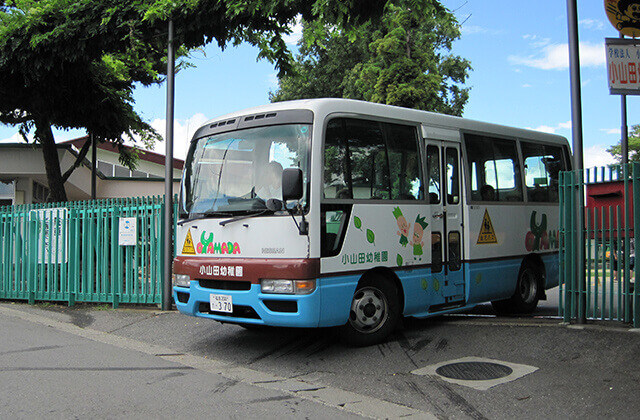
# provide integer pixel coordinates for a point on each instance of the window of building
(7, 193)
(40, 193)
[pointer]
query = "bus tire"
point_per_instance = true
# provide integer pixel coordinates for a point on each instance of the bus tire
(526, 296)
(374, 312)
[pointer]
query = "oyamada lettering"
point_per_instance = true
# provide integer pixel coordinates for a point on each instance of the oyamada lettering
(221, 248)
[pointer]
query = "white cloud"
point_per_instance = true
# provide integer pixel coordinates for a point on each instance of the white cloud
(296, 33)
(596, 156)
(556, 57)
(553, 130)
(611, 131)
(183, 130)
(591, 24)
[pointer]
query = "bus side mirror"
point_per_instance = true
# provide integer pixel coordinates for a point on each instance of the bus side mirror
(292, 184)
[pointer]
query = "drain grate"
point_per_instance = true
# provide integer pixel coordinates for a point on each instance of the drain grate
(474, 371)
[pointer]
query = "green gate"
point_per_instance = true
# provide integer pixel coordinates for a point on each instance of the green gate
(107, 251)
(597, 273)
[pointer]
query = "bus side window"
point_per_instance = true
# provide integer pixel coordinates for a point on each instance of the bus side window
(366, 159)
(454, 251)
(494, 163)
(333, 230)
(433, 174)
(436, 252)
(453, 185)
(542, 165)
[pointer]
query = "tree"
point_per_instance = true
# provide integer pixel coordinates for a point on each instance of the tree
(400, 60)
(634, 146)
(75, 63)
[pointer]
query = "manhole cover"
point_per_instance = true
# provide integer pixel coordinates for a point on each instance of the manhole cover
(474, 371)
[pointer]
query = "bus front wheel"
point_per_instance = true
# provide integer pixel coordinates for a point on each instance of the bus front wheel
(374, 312)
(525, 299)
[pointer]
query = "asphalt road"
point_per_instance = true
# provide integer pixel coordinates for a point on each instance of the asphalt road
(92, 361)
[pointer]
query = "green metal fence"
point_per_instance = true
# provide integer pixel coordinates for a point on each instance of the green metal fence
(597, 253)
(108, 251)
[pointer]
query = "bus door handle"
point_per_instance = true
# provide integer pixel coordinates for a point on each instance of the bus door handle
(437, 215)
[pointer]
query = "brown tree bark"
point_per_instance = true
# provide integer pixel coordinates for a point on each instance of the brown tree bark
(44, 135)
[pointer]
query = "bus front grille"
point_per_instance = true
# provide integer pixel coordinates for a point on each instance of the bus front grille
(224, 284)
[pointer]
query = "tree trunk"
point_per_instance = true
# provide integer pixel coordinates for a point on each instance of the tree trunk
(44, 135)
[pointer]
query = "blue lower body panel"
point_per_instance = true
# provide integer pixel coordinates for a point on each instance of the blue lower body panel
(251, 306)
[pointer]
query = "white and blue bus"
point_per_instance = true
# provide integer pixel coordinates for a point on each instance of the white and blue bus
(341, 213)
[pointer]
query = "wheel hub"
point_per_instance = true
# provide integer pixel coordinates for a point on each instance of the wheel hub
(369, 310)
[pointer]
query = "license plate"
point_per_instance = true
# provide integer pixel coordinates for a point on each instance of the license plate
(221, 303)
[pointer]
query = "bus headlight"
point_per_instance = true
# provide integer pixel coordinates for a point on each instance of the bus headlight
(289, 287)
(182, 280)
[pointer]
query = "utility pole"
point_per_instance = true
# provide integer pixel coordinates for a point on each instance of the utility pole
(168, 175)
(578, 165)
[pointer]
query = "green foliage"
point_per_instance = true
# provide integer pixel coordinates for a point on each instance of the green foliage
(634, 146)
(75, 63)
(400, 60)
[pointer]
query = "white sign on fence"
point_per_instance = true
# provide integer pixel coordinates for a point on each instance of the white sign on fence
(53, 231)
(127, 234)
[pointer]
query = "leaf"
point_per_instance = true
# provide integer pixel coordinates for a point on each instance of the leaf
(424, 284)
(399, 260)
(357, 222)
(371, 237)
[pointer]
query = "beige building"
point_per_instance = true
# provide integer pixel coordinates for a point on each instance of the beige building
(23, 179)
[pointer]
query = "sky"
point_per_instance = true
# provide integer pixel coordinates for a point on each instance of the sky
(520, 77)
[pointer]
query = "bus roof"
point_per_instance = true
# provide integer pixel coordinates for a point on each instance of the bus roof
(326, 106)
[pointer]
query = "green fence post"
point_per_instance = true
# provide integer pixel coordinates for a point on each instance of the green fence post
(33, 260)
(73, 256)
(116, 257)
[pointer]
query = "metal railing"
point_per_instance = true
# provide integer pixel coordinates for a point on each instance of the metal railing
(79, 252)
(603, 287)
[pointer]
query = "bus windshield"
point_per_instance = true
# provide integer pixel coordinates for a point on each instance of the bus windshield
(237, 172)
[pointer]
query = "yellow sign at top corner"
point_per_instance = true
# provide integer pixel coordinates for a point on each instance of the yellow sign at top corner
(487, 235)
(624, 15)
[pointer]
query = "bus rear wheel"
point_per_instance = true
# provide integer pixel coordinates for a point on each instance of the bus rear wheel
(525, 299)
(374, 312)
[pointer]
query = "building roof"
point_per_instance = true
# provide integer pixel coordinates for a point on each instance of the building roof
(145, 155)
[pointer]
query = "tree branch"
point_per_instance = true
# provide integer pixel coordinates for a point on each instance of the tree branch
(79, 159)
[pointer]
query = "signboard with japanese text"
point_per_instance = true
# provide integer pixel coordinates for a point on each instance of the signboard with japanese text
(624, 15)
(623, 66)
(127, 234)
(53, 234)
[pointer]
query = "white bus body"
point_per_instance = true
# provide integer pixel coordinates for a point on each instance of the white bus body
(400, 213)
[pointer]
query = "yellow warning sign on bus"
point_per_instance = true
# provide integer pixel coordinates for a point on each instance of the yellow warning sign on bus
(188, 247)
(487, 234)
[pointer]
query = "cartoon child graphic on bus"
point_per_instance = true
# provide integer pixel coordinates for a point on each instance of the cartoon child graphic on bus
(416, 240)
(403, 225)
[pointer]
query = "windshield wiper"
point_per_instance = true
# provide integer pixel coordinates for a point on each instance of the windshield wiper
(204, 215)
(272, 206)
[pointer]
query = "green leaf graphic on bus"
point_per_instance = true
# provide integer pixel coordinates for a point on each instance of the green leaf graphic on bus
(479, 278)
(399, 260)
(436, 285)
(371, 237)
(425, 285)
(357, 222)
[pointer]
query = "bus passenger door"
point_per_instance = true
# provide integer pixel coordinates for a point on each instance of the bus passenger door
(445, 199)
